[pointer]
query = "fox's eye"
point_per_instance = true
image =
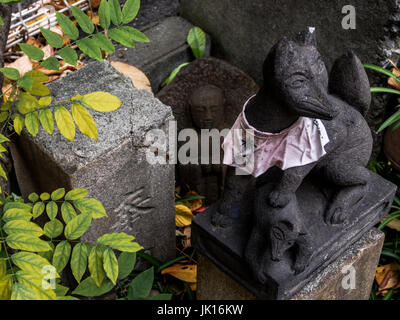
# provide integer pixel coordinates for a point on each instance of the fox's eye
(297, 81)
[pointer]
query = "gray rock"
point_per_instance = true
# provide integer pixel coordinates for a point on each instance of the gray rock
(253, 26)
(166, 50)
(114, 169)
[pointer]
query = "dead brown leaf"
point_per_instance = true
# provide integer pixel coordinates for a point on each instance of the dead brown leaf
(187, 231)
(95, 4)
(387, 277)
(194, 204)
(23, 64)
(184, 272)
(393, 82)
(139, 79)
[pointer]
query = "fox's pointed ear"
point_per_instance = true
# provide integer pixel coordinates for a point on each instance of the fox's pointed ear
(349, 81)
(307, 37)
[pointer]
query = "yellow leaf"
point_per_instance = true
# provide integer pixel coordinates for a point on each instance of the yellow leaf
(32, 123)
(46, 119)
(38, 76)
(110, 265)
(19, 123)
(183, 216)
(45, 101)
(101, 101)
(5, 287)
(184, 272)
(96, 265)
(84, 121)
(64, 122)
(39, 89)
(76, 97)
(27, 103)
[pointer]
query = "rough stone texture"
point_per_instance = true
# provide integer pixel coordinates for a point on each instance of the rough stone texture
(239, 27)
(114, 169)
(166, 50)
(213, 284)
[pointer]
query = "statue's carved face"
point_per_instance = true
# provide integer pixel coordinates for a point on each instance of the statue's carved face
(302, 79)
(207, 107)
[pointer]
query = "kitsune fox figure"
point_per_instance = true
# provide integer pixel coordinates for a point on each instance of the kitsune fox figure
(297, 91)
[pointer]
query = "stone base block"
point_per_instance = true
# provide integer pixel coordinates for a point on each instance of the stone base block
(349, 277)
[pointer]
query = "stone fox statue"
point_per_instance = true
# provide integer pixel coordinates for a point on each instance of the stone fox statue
(296, 84)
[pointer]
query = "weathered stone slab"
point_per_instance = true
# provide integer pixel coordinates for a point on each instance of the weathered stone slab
(166, 50)
(114, 168)
(214, 284)
(254, 26)
(226, 246)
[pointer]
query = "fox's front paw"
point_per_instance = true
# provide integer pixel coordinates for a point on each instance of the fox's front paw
(279, 199)
(335, 215)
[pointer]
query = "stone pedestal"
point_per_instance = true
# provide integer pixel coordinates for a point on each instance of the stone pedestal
(138, 196)
(333, 282)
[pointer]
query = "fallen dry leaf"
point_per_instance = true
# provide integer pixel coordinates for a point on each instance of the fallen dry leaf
(387, 277)
(34, 42)
(194, 204)
(187, 232)
(23, 64)
(183, 216)
(394, 224)
(184, 272)
(392, 82)
(139, 79)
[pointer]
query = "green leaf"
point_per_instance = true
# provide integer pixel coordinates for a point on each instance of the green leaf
(76, 194)
(65, 123)
(51, 63)
(119, 35)
(35, 282)
(83, 20)
(48, 254)
(57, 194)
(60, 290)
(69, 55)
(38, 76)
(31, 51)
(61, 255)
(47, 121)
(52, 210)
(45, 101)
(101, 101)
(10, 73)
(27, 103)
(79, 260)
(84, 121)
(115, 12)
(6, 283)
(385, 90)
(110, 265)
(26, 82)
(88, 288)
(53, 228)
(173, 74)
(96, 265)
(52, 38)
(383, 71)
(197, 42)
(30, 262)
(32, 123)
(66, 298)
(45, 196)
(23, 226)
(67, 26)
(17, 205)
(23, 292)
(126, 263)
(162, 296)
(392, 119)
(38, 209)
(90, 206)
(16, 214)
(130, 10)
(119, 241)
(134, 34)
(20, 241)
(19, 123)
(67, 212)
(103, 42)
(78, 226)
(89, 46)
(104, 14)
(33, 197)
(141, 285)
